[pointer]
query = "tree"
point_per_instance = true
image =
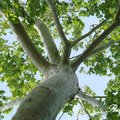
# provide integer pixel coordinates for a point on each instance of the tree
(38, 25)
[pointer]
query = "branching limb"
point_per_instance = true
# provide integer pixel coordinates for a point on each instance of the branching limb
(11, 104)
(93, 45)
(46, 36)
(57, 22)
(91, 100)
(66, 43)
(28, 46)
(89, 33)
(101, 48)
(48, 41)
(95, 51)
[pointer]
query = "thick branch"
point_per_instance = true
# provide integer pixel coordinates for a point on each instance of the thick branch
(95, 51)
(66, 43)
(11, 104)
(91, 100)
(101, 48)
(92, 46)
(48, 41)
(66, 54)
(28, 46)
(57, 22)
(46, 36)
(89, 33)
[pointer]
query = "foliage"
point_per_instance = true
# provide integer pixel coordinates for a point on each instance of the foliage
(68, 108)
(3, 99)
(113, 98)
(20, 74)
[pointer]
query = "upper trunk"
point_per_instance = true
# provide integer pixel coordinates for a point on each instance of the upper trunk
(46, 100)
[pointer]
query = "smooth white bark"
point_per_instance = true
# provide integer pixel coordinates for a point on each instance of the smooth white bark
(26, 43)
(91, 100)
(48, 41)
(11, 104)
(46, 100)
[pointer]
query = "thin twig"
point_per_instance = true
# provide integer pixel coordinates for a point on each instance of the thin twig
(99, 96)
(89, 33)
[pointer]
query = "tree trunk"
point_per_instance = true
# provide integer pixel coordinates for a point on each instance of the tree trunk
(46, 100)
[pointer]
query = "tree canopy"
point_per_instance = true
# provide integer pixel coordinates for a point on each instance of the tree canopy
(98, 50)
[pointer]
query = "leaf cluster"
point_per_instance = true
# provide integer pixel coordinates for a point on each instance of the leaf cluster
(113, 99)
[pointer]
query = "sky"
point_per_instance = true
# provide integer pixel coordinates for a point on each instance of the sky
(95, 82)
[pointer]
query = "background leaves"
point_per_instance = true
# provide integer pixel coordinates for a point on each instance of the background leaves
(21, 75)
